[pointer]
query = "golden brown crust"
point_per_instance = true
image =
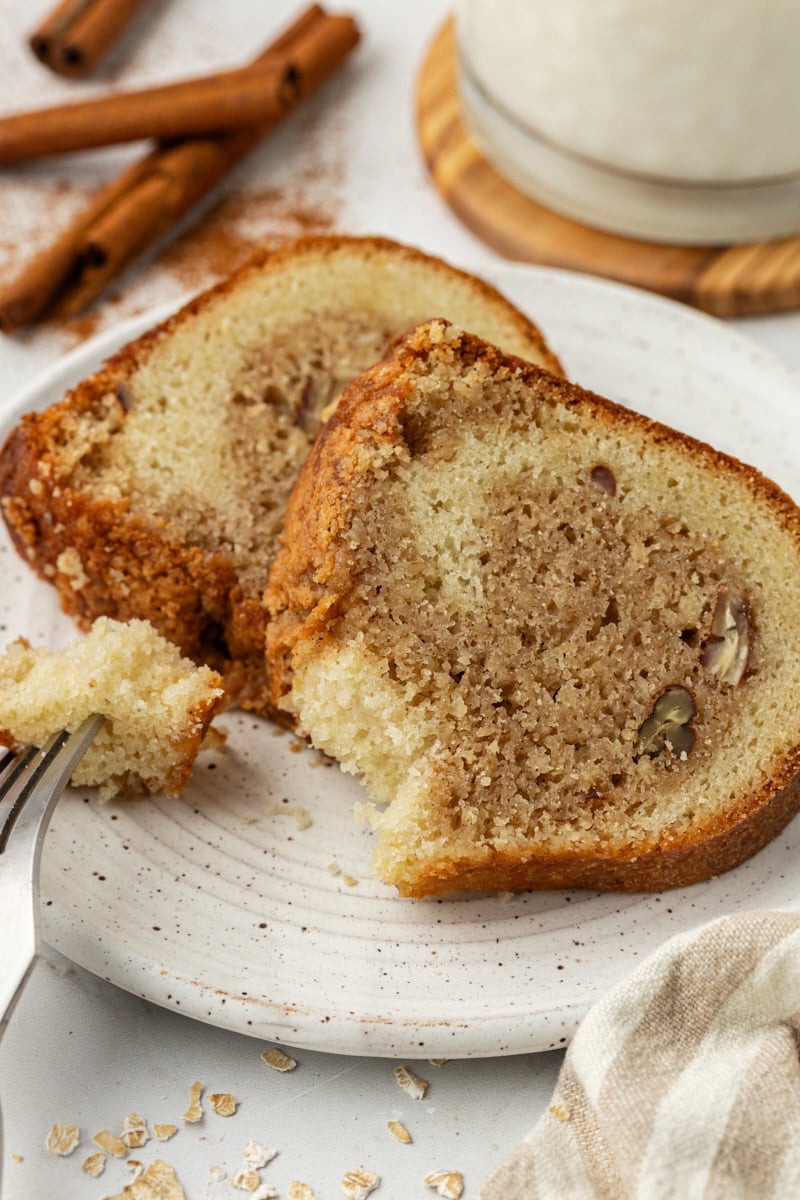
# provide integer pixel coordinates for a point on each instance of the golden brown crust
(309, 582)
(143, 568)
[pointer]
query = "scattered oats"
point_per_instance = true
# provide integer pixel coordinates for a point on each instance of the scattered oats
(438, 1062)
(256, 1155)
(301, 815)
(165, 1132)
(350, 880)
(334, 868)
(135, 1132)
(265, 1192)
(110, 1143)
(411, 1083)
(62, 1139)
(400, 1132)
(279, 1061)
(157, 1182)
(449, 1184)
(357, 1185)
(247, 1180)
(195, 1111)
(217, 1174)
(94, 1165)
(223, 1103)
(299, 1191)
(17, 1158)
(136, 1167)
(559, 1112)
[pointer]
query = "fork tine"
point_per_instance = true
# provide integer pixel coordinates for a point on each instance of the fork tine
(21, 779)
(50, 767)
(11, 765)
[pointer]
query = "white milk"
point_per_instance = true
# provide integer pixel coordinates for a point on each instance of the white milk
(677, 119)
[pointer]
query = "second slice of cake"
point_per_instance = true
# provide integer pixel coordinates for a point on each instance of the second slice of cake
(559, 641)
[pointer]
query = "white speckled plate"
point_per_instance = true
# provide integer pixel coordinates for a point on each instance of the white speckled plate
(229, 912)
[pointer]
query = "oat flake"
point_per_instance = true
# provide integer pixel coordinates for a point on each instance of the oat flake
(265, 1192)
(223, 1103)
(111, 1143)
(559, 1112)
(62, 1139)
(357, 1185)
(217, 1174)
(135, 1132)
(438, 1062)
(412, 1084)
(94, 1165)
(302, 816)
(279, 1061)
(165, 1132)
(299, 1191)
(194, 1112)
(256, 1155)
(400, 1132)
(247, 1180)
(157, 1182)
(449, 1184)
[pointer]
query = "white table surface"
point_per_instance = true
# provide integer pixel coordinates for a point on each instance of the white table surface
(77, 1049)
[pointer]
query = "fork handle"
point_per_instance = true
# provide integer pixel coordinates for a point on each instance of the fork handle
(19, 866)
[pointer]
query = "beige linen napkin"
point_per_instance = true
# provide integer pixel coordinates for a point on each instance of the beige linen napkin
(683, 1083)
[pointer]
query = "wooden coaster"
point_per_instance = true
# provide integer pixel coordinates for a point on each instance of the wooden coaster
(760, 277)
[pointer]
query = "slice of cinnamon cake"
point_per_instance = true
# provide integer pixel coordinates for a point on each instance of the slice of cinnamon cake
(157, 488)
(559, 642)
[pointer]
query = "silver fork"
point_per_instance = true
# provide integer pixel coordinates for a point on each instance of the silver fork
(31, 782)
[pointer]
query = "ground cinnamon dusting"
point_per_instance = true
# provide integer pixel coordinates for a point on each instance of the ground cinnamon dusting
(235, 227)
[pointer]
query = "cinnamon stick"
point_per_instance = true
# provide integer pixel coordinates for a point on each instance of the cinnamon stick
(76, 34)
(126, 217)
(212, 103)
(58, 264)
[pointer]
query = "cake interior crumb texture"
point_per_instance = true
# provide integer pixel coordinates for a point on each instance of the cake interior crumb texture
(157, 705)
(510, 576)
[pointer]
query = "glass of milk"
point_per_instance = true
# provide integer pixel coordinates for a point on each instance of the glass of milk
(675, 120)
